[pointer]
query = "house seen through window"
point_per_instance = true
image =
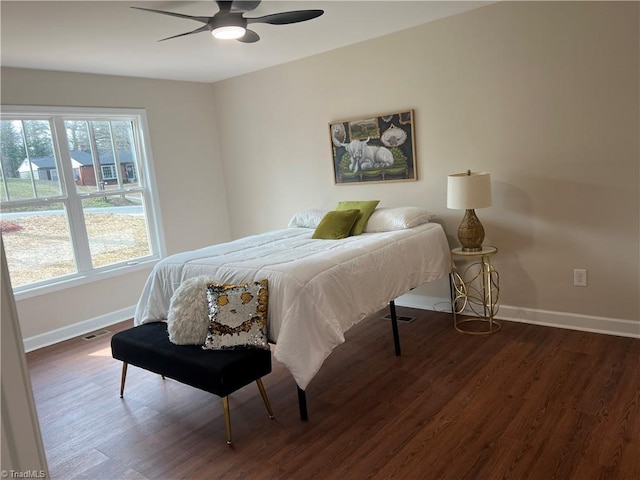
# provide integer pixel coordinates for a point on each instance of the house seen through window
(75, 193)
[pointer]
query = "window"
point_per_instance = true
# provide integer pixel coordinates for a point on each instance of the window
(108, 173)
(76, 194)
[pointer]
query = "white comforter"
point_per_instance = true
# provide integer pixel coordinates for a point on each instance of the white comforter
(318, 289)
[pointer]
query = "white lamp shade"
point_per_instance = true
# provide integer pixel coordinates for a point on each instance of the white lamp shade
(469, 190)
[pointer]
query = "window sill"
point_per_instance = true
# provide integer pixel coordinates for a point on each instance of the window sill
(80, 280)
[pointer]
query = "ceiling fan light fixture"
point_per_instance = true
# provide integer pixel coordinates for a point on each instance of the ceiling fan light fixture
(230, 23)
(228, 32)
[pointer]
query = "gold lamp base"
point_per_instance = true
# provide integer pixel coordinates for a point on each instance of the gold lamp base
(470, 232)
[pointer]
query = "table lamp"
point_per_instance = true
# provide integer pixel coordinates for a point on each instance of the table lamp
(468, 191)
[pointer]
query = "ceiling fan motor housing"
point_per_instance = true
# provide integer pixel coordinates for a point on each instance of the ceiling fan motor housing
(228, 20)
(228, 25)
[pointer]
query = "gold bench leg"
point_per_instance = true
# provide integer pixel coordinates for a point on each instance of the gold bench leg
(265, 399)
(123, 378)
(227, 418)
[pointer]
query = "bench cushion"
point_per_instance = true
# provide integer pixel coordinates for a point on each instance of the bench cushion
(220, 372)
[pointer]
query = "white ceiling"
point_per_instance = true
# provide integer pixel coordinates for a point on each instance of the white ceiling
(111, 38)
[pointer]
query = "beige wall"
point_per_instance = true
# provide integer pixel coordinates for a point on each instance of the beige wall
(189, 177)
(542, 95)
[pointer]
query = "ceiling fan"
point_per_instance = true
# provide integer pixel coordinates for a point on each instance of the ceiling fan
(229, 22)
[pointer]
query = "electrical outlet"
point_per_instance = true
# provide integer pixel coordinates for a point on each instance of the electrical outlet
(580, 277)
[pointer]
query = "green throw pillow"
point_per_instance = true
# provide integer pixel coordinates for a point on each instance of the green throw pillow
(366, 209)
(336, 224)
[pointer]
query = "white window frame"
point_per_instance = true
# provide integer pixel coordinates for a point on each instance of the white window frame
(112, 172)
(73, 200)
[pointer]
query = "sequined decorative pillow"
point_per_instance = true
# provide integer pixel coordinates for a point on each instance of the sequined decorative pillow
(237, 316)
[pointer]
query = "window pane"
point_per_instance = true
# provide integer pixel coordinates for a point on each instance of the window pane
(28, 170)
(37, 243)
(80, 150)
(109, 172)
(117, 228)
(126, 154)
(103, 154)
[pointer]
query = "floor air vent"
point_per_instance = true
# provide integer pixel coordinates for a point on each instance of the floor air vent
(92, 335)
(400, 318)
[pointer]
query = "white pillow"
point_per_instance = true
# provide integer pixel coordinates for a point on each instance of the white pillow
(307, 218)
(188, 317)
(386, 219)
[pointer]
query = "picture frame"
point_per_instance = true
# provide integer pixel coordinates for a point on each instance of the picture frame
(374, 148)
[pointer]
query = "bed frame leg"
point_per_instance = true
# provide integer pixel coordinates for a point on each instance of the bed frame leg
(302, 396)
(302, 403)
(394, 326)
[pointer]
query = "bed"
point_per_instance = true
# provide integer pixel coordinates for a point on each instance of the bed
(318, 289)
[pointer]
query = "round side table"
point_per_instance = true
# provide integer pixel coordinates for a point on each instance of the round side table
(475, 288)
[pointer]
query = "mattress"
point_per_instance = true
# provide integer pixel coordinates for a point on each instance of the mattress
(318, 289)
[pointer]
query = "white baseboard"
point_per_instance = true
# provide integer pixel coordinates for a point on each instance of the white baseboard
(571, 321)
(77, 329)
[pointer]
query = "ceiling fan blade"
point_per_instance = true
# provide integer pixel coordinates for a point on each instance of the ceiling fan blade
(245, 5)
(224, 6)
(204, 28)
(285, 18)
(249, 37)
(173, 14)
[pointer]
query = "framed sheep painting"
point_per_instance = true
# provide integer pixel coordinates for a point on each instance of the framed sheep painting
(377, 148)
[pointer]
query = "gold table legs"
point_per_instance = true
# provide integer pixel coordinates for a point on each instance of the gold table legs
(475, 288)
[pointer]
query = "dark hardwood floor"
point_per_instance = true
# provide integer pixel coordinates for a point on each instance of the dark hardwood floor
(526, 403)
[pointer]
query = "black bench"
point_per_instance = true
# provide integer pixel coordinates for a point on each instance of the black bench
(220, 372)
